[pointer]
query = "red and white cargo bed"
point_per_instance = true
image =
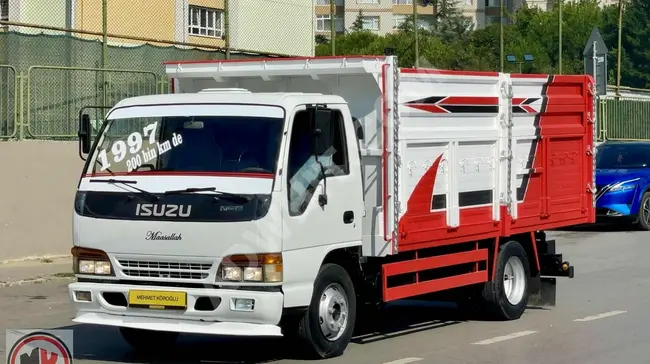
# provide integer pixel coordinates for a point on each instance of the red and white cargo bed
(448, 156)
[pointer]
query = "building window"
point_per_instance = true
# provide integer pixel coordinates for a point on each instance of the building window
(367, 1)
(370, 22)
(493, 3)
(327, 2)
(4, 10)
(493, 19)
(398, 20)
(206, 22)
(402, 2)
(323, 23)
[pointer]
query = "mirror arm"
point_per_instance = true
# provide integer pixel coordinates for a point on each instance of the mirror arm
(322, 198)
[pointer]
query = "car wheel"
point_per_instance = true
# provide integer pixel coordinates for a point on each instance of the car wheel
(644, 212)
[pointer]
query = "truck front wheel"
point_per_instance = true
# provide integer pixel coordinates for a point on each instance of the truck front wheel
(327, 326)
(507, 295)
(148, 340)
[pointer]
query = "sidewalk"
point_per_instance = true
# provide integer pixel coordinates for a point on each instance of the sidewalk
(35, 271)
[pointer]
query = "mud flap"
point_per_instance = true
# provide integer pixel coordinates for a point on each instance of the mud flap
(542, 292)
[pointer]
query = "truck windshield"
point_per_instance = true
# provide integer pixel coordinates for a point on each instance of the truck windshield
(205, 144)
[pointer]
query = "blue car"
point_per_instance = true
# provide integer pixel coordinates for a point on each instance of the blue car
(623, 182)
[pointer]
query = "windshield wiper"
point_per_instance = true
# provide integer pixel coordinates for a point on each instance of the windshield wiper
(217, 194)
(128, 183)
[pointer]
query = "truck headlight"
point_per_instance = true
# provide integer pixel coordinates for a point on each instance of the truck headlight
(266, 268)
(91, 261)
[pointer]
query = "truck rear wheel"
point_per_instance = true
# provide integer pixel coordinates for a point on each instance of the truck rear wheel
(327, 326)
(507, 296)
(148, 340)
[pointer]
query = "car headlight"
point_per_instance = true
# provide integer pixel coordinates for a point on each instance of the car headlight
(91, 261)
(263, 268)
(624, 186)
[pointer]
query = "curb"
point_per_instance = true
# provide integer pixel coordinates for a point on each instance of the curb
(35, 257)
(38, 280)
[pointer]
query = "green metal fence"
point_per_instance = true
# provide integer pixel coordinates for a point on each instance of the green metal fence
(623, 118)
(56, 94)
(8, 102)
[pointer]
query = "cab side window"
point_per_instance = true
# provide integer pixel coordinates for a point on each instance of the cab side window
(304, 170)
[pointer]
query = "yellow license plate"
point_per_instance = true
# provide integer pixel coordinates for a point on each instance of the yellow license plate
(158, 299)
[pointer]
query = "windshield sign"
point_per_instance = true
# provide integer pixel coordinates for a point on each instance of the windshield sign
(622, 156)
(209, 144)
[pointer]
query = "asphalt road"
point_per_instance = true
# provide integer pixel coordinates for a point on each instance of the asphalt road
(601, 318)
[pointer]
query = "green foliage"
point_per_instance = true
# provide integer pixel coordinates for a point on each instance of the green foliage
(357, 26)
(448, 42)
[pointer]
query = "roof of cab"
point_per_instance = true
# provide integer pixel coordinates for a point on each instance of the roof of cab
(225, 97)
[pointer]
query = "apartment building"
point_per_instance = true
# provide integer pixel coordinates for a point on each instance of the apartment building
(54, 14)
(383, 16)
(265, 26)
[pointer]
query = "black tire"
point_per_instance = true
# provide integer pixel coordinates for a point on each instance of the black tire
(309, 331)
(494, 293)
(643, 220)
(148, 340)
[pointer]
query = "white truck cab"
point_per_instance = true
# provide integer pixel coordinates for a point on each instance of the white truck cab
(191, 206)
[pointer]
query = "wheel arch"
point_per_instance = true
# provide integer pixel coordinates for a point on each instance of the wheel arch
(348, 259)
(529, 242)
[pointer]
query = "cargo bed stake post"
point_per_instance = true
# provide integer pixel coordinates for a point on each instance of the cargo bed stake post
(397, 161)
(595, 118)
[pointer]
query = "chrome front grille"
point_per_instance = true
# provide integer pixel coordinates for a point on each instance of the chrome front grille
(175, 270)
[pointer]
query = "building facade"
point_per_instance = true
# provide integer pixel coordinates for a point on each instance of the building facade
(384, 16)
(259, 26)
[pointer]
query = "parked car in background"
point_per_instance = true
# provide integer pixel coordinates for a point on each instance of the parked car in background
(623, 182)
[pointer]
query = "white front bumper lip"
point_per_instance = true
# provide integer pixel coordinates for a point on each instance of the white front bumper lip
(223, 320)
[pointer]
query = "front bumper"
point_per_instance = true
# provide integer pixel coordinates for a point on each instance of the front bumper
(615, 204)
(105, 309)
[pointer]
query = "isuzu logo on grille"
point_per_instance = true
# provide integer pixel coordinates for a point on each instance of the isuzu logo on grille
(149, 209)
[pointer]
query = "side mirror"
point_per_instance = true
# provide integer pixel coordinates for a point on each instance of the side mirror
(321, 132)
(85, 134)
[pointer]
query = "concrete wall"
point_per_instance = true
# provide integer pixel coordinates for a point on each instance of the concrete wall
(38, 180)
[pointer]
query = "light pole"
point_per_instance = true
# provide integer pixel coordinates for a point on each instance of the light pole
(560, 37)
(618, 48)
(416, 41)
(333, 26)
(501, 41)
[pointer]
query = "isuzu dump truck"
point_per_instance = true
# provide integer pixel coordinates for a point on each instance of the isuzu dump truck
(283, 196)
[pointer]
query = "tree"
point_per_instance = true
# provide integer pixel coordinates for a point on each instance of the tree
(449, 22)
(357, 26)
(321, 39)
(636, 43)
(448, 43)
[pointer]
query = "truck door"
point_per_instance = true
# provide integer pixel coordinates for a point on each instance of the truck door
(322, 212)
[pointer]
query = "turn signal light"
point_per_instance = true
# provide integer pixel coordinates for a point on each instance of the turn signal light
(252, 268)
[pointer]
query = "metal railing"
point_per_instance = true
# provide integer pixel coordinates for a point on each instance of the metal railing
(9, 115)
(623, 118)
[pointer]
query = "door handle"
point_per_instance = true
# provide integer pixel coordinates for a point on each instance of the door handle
(348, 217)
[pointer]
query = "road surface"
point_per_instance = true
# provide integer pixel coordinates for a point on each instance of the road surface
(601, 318)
